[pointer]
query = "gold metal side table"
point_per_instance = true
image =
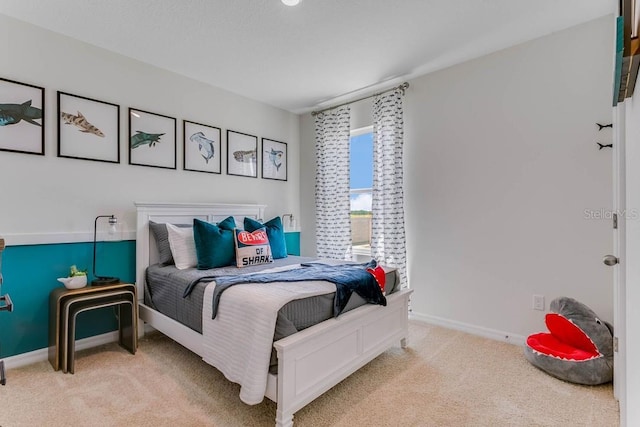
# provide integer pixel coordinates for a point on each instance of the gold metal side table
(66, 304)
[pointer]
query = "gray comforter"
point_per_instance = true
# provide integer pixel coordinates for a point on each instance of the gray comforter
(165, 286)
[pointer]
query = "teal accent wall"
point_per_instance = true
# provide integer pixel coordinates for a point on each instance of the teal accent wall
(292, 238)
(30, 273)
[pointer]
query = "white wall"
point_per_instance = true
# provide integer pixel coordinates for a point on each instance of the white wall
(56, 195)
(502, 159)
(501, 164)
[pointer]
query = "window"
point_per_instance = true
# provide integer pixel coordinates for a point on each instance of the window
(361, 183)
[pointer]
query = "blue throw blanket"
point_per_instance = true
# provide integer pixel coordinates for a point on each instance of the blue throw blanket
(348, 278)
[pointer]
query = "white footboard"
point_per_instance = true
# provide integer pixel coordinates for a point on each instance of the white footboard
(312, 361)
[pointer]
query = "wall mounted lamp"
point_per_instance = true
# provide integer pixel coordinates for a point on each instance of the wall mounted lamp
(290, 224)
(5, 305)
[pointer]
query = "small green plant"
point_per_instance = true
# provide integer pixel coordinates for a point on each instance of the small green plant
(73, 271)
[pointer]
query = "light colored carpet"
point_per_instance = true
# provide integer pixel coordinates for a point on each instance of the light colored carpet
(444, 378)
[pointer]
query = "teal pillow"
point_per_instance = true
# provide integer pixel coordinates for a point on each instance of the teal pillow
(215, 244)
(229, 223)
(275, 233)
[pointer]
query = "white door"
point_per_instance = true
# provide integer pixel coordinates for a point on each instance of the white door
(619, 247)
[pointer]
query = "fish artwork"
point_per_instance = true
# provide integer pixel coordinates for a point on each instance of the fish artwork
(600, 127)
(604, 146)
(275, 156)
(143, 138)
(82, 123)
(248, 156)
(205, 146)
(10, 114)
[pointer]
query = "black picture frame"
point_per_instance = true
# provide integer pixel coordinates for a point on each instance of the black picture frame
(152, 139)
(88, 129)
(202, 147)
(275, 159)
(22, 117)
(242, 154)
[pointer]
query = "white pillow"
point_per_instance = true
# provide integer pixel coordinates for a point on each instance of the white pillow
(183, 247)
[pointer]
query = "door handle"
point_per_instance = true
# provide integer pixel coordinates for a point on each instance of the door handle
(610, 260)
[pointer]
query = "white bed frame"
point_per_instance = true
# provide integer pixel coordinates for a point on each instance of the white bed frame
(311, 361)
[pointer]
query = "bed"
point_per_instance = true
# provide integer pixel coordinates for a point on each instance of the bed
(309, 362)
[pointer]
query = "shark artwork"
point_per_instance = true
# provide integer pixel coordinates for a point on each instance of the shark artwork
(81, 123)
(205, 146)
(275, 156)
(248, 156)
(11, 114)
(143, 138)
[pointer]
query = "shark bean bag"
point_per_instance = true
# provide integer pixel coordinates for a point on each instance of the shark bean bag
(578, 347)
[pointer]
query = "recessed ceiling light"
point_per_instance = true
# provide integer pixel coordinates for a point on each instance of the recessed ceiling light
(290, 2)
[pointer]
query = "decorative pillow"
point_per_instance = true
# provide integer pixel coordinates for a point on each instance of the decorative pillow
(379, 274)
(182, 246)
(275, 233)
(229, 223)
(159, 232)
(214, 243)
(252, 248)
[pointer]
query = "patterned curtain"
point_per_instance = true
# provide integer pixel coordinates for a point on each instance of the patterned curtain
(387, 228)
(333, 206)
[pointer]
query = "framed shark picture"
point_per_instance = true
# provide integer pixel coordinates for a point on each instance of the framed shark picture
(152, 139)
(274, 159)
(201, 150)
(88, 129)
(242, 154)
(21, 117)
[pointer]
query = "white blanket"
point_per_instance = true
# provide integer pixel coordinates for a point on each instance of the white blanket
(238, 341)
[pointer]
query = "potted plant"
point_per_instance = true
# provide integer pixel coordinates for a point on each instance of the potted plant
(77, 278)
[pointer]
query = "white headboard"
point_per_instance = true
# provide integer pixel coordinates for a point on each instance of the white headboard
(179, 213)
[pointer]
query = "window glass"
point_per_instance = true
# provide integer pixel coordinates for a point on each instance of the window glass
(361, 182)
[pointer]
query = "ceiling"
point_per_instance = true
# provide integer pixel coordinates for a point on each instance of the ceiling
(308, 56)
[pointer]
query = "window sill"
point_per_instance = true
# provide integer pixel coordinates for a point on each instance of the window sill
(361, 253)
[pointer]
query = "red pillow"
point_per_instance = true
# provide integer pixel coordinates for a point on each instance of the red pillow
(378, 274)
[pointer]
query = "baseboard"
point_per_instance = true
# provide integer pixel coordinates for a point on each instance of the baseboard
(147, 327)
(493, 334)
(43, 353)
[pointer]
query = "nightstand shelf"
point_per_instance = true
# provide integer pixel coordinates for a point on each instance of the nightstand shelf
(292, 238)
(66, 304)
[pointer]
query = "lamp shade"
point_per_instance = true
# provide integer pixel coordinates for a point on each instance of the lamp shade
(112, 234)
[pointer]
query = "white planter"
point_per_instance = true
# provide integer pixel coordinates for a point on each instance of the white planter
(75, 282)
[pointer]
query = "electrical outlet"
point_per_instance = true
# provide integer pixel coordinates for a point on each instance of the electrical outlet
(538, 302)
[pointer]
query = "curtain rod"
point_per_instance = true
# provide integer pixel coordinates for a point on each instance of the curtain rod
(402, 87)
